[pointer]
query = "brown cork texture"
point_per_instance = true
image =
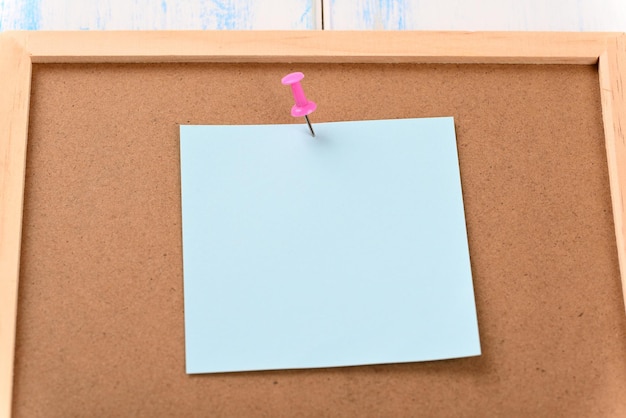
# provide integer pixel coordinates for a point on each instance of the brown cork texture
(100, 322)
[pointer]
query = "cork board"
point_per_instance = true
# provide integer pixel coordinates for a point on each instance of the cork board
(100, 319)
(100, 313)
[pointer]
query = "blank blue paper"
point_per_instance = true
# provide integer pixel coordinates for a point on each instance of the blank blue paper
(345, 249)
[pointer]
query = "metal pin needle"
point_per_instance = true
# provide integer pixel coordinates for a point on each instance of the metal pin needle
(308, 122)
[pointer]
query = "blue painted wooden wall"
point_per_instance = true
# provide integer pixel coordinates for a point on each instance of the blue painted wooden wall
(472, 15)
(561, 15)
(158, 14)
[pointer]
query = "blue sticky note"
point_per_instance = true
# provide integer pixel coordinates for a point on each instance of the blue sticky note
(345, 249)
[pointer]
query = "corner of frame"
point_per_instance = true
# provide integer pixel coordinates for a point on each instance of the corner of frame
(15, 41)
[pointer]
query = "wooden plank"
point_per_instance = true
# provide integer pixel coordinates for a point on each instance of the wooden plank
(18, 15)
(159, 15)
(491, 15)
(612, 69)
(15, 70)
(315, 46)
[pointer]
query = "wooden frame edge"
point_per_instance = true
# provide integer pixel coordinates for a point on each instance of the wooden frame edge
(612, 73)
(15, 74)
(315, 46)
(18, 50)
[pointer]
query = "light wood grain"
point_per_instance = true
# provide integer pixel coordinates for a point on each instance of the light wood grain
(20, 48)
(314, 46)
(159, 15)
(15, 70)
(485, 15)
(612, 69)
(494, 15)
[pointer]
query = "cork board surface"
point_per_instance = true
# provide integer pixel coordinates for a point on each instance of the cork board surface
(100, 315)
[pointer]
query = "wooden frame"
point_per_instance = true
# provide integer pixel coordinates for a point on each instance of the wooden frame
(19, 50)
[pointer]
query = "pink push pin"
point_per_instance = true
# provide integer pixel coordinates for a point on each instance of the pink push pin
(303, 107)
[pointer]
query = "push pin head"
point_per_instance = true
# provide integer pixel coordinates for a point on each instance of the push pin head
(303, 107)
